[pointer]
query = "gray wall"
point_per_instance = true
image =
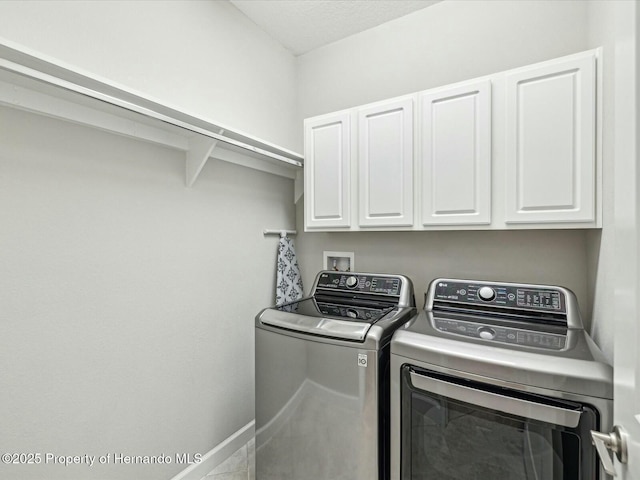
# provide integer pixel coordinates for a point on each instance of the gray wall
(126, 323)
(204, 57)
(448, 42)
(538, 256)
(604, 31)
(126, 299)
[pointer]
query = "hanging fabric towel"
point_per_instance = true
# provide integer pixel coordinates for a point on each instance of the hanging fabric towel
(288, 279)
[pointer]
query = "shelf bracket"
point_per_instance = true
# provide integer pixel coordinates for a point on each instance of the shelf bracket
(298, 186)
(200, 149)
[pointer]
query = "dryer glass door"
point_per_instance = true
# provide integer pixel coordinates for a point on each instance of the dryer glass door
(453, 428)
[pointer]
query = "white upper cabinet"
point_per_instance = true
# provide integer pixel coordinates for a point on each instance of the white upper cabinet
(385, 164)
(455, 154)
(550, 144)
(327, 179)
(512, 150)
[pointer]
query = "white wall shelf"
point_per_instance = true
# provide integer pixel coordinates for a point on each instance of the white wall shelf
(31, 82)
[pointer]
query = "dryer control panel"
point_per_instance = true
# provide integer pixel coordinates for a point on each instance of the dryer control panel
(527, 297)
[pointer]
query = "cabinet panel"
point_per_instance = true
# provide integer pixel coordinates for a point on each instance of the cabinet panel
(327, 171)
(386, 164)
(361, 173)
(551, 142)
(455, 155)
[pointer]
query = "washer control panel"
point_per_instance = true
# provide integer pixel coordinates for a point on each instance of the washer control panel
(501, 295)
(360, 283)
(502, 334)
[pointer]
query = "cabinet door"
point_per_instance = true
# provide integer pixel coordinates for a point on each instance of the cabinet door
(550, 143)
(327, 177)
(386, 164)
(455, 154)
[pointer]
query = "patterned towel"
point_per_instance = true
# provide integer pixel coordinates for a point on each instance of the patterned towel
(288, 279)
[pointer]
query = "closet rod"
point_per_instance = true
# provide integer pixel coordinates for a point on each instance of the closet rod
(268, 231)
(118, 102)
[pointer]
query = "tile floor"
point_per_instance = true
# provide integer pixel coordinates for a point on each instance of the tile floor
(239, 466)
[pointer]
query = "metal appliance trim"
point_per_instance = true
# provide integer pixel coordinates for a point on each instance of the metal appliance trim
(597, 401)
(327, 327)
(501, 366)
(495, 401)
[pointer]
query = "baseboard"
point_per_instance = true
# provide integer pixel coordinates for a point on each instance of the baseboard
(218, 454)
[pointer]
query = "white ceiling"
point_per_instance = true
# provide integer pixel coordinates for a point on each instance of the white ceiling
(303, 25)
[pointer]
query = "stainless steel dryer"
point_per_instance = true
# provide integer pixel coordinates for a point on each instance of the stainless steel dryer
(497, 381)
(322, 378)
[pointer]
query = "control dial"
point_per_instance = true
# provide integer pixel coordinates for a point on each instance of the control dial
(487, 294)
(351, 282)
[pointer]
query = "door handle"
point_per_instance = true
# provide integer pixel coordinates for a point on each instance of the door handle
(496, 401)
(616, 441)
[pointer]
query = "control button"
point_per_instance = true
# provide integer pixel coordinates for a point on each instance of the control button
(352, 313)
(351, 282)
(511, 297)
(485, 293)
(487, 333)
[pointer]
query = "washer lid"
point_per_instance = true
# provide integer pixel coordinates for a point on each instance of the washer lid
(326, 327)
(347, 322)
(354, 310)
